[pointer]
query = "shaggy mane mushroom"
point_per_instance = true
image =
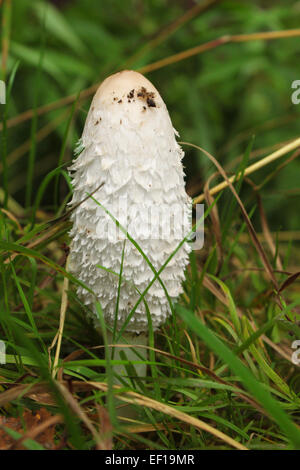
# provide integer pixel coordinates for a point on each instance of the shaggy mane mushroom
(129, 145)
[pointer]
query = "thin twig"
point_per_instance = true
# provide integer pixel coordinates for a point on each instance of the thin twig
(246, 218)
(63, 308)
(196, 10)
(216, 43)
(157, 65)
(250, 169)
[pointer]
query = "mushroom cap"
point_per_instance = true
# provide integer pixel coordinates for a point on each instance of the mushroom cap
(129, 145)
(130, 98)
(120, 84)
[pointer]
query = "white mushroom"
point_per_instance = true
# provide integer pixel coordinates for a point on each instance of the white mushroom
(128, 144)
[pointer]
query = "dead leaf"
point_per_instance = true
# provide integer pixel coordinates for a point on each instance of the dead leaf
(29, 421)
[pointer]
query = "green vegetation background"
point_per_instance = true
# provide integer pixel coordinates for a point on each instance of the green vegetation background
(217, 99)
(223, 360)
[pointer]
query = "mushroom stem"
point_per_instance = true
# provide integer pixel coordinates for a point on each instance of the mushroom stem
(133, 353)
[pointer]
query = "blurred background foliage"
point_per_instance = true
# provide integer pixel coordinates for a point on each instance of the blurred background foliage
(218, 99)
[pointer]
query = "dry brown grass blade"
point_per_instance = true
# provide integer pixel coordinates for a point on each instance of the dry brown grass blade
(250, 169)
(276, 347)
(248, 222)
(207, 282)
(290, 280)
(106, 429)
(267, 232)
(265, 228)
(184, 55)
(136, 398)
(19, 391)
(62, 316)
(192, 348)
(42, 398)
(141, 428)
(216, 228)
(268, 35)
(13, 218)
(172, 28)
(73, 404)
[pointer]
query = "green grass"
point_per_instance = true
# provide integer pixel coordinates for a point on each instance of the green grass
(220, 374)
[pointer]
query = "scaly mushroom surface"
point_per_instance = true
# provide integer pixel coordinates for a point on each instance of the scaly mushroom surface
(129, 145)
